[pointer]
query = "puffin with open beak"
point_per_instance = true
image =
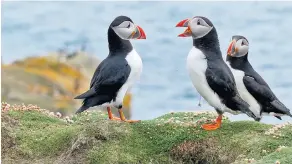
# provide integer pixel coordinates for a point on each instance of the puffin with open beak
(118, 72)
(208, 71)
(251, 86)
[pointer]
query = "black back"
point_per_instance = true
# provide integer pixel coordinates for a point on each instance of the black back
(242, 63)
(257, 86)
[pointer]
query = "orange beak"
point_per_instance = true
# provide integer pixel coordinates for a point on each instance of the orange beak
(231, 45)
(142, 33)
(183, 23)
(138, 33)
(188, 31)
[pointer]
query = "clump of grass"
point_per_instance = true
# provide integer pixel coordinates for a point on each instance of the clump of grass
(204, 151)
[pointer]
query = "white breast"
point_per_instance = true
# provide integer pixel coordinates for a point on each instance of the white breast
(243, 92)
(135, 62)
(197, 66)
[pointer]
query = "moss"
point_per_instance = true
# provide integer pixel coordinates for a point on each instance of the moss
(172, 138)
(40, 135)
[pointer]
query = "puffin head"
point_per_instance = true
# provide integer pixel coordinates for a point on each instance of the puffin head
(126, 29)
(197, 27)
(238, 47)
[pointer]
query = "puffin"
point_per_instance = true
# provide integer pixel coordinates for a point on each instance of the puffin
(118, 71)
(251, 86)
(209, 73)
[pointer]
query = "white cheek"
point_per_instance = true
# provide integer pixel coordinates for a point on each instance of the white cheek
(243, 50)
(200, 31)
(123, 33)
(238, 44)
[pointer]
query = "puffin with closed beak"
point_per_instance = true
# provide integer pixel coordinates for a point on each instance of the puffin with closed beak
(208, 71)
(118, 71)
(251, 86)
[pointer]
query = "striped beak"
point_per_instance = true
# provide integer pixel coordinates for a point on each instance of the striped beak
(231, 49)
(188, 31)
(138, 33)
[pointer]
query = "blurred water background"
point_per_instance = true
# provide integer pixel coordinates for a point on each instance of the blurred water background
(34, 28)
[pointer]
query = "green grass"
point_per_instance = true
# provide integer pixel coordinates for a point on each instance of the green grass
(284, 157)
(35, 137)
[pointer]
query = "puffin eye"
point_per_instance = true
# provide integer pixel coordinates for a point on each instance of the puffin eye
(242, 43)
(198, 22)
(129, 25)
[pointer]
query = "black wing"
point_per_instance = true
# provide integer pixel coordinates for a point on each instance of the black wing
(221, 80)
(262, 93)
(95, 75)
(259, 91)
(108, 78)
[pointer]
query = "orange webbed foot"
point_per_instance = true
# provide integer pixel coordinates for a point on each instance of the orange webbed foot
(213, 126)
(123, 118)
(110, 115)
(115, 118)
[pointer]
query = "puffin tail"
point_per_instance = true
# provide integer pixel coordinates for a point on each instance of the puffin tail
(87, 94)
(281, 107)
(278, 117)
(243, 106)
(81, 109)
(289, 114)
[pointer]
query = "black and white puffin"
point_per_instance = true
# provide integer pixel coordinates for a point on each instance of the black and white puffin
(118, 72)
(208, 71)
(251, 86)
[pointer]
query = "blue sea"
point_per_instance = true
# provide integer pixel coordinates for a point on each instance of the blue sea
(34, 28)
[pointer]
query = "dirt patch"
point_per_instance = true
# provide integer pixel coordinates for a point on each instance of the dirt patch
(93, 135)
(8, 137)
(77, 152)
(207, 151)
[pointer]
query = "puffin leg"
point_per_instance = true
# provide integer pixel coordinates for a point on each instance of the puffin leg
(123, 118)
(215, 125)
(110, 114)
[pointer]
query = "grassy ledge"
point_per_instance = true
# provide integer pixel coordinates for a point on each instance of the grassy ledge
(37, 136)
